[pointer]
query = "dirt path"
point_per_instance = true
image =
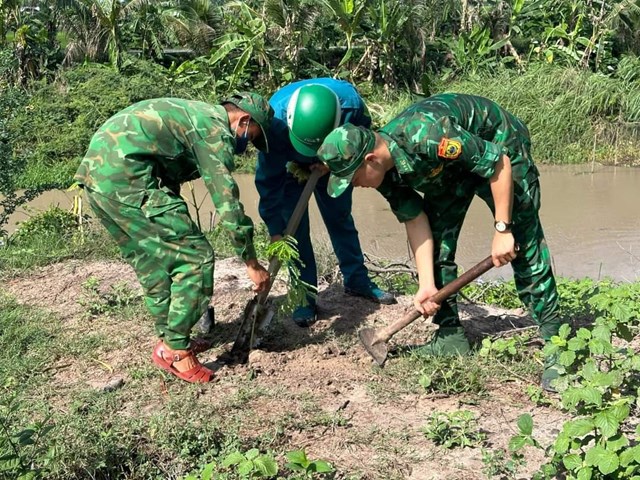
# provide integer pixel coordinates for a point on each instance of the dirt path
(316, 387)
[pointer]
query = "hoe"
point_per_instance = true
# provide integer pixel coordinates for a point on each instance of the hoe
(375, 341)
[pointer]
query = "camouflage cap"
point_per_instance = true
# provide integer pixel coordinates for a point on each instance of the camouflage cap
(259, 109)
(343, 151)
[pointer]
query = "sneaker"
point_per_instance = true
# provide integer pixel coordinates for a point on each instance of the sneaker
(305, 316)
(447, 341)
(374, 294)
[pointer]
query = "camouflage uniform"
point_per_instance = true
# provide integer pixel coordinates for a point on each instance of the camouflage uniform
(446, 147)
(132, 174)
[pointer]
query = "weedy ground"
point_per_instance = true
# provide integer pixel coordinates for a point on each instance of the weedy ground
(75, 353)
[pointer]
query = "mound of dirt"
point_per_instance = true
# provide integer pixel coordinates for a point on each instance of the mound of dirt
(324, 362)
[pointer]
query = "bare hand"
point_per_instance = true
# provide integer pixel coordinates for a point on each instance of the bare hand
(503, 249)
(275, 238)
(319, 166)
(422, 304)
(258, 275)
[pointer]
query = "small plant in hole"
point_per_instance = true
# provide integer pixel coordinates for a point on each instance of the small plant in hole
(454, 429)
(298, 291)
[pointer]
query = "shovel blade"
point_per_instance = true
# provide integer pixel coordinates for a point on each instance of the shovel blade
(257, 317)
(377, 350)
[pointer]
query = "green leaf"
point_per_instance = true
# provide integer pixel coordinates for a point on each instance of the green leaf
(607, 423)
(322, 467)
(571, 397)
(233, 458)
(579, 427)
(601, 333)
(251, 454)
(614, 444)
(245, 467)
(602, 379)
(298, 456)
(561, 445)
(525, 424)
(266, 465)
(591, 396)
(517, 442)
(572, 461)
(564, 331)
(620, 412)
(626, 456)
(607, 462)
(576, 344)
(593, 456)
(567, 358)
(585, 473)
(207, 473)
(9, 463)
(583, 333)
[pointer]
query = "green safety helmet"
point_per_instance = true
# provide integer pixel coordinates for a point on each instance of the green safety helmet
(312, 113)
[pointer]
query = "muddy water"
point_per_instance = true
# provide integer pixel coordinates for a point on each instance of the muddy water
(591, 219)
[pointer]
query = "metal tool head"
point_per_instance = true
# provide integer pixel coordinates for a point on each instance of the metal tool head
(377, 349)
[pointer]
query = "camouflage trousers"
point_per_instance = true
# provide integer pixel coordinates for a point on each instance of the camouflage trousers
(173, 260)
(533, 275)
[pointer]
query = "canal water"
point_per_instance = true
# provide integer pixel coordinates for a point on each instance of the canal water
(591, 218)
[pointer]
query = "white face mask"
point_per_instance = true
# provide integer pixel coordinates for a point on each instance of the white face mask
(242, 141)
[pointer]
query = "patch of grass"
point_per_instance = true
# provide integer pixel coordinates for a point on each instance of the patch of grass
(39, 250)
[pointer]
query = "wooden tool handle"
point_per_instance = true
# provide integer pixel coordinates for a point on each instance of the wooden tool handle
(449, 289)
(292, 226)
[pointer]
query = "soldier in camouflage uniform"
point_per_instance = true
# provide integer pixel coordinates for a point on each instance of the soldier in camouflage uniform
(132, 174)
(451, 147)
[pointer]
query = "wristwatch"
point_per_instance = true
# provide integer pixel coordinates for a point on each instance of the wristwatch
(502, 227)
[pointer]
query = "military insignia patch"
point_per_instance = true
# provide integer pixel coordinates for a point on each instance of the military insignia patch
(450, 149)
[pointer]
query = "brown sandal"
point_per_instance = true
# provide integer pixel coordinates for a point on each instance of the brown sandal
(164, 357)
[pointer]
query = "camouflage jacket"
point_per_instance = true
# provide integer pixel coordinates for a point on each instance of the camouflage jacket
(450, 143)
(161, 143)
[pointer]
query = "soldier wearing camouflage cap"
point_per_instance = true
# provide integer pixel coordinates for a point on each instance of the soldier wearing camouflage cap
(132, 173)
(450, 147)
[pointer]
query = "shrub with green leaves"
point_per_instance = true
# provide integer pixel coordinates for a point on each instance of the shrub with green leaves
(505, 349)
(599, 386)
(53, 222)
(454, 429)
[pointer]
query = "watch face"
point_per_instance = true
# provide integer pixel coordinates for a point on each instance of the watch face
(501, 226)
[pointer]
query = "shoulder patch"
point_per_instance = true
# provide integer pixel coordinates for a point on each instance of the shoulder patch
(448, 148)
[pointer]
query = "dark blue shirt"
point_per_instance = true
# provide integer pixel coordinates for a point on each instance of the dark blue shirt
(271, 169)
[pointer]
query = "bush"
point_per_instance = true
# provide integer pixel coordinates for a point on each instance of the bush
(54, 222)
(51, 133)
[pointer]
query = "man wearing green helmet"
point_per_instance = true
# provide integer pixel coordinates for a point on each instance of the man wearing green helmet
(131, 175)
(304, 113)
(429, 162)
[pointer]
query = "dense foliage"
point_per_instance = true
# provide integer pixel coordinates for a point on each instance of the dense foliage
(569, 69)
